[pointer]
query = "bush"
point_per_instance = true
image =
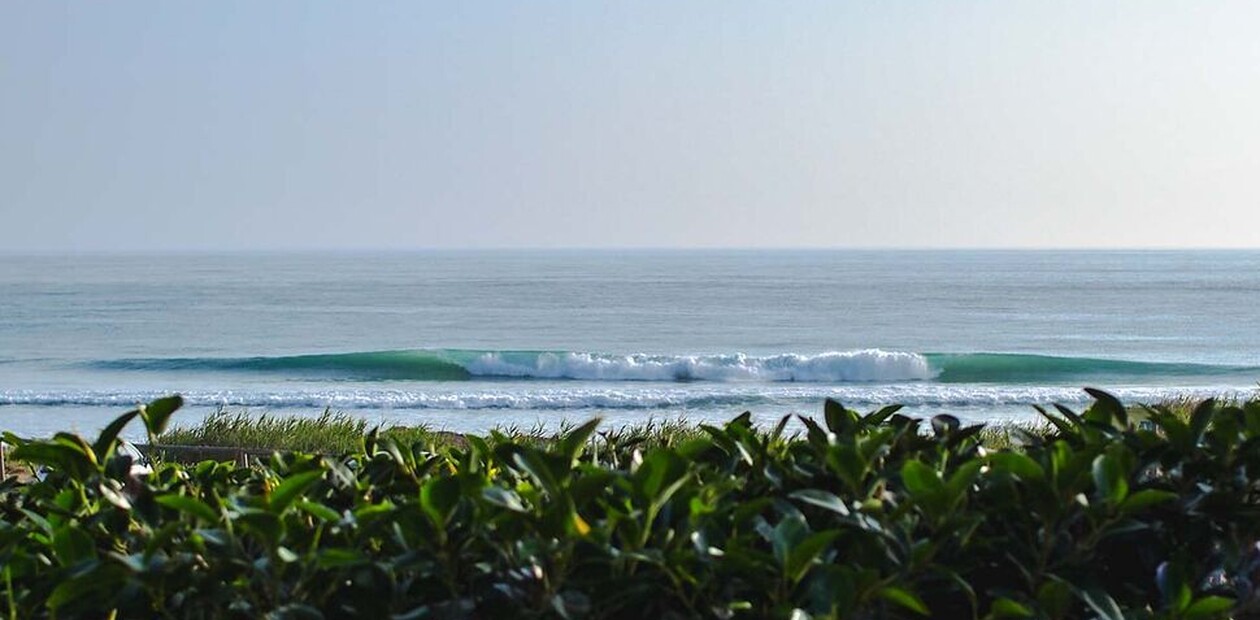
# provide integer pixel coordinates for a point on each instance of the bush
(872, 515)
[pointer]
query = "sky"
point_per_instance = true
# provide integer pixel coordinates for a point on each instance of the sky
(584, 124)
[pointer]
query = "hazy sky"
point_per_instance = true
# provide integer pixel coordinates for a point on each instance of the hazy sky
(277, 125)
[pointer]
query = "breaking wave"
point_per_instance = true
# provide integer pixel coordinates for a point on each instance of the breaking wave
(835, 367)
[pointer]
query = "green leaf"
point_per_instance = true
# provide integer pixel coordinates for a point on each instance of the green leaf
(1007, 608)
(591, 483)
(660, 475)
(92, 588)
(1173, 586)
(1109, 478)
(214, 537)
(879, 417)
(1070, 415)
(286, 555)
(822, 499)
(1110, 405)
(157, 413)
(1144, 499)
(1018, 465)
(905, 599)
(71, 545)
(837, 417)
(532, 462)
(790, 532)
(802, 555)
(295, 611)
(778, 428)
(438, 498)
(1055, 597)
(371, 512)
(190, 505)
(848, 464)
(134, 563)
(106, 440)
(1059, 423)
(944, 424)
(290, 489)
(571, 444)
(260, 522)
(111, 491)
(1208, 607)
(1200, 418)
(58, 456)
(338, 558)
(317, 510)
(1102, 604)
(503, 498)
(962, 478)
(921, 479)
(79, 445)
(814, 432)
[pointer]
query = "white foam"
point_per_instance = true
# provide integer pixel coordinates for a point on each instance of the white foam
(867, 365)
(714, 397)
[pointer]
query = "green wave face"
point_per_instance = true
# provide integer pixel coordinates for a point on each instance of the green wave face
(379, 365)
(369, 366)
(1017, 368)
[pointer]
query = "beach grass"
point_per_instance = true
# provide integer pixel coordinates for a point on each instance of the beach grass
(338, 433)
(333, 432)
(328, 432)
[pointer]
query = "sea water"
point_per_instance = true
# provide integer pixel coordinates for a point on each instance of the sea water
(466, 341)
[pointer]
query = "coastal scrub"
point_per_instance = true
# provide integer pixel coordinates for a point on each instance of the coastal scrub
(863, 515)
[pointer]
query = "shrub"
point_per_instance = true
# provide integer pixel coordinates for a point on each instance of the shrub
(873, 515)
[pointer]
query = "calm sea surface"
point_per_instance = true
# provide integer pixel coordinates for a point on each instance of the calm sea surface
(470, 340)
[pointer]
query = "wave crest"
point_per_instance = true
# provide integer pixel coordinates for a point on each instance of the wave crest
(833, 367)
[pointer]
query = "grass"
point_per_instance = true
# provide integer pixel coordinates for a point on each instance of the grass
(1008, 435)
(339, 433)
(327, 433)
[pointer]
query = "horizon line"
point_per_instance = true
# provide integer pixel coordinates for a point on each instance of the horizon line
(598, 249)
(644, 250)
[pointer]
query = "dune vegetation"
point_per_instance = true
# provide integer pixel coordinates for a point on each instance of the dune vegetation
(1100, 513)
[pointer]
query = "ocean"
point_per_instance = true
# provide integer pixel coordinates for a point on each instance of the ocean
(470, 340)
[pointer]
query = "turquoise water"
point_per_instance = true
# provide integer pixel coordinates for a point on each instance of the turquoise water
(469, 340)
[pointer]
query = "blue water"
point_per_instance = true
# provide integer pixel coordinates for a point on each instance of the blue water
(470, 340)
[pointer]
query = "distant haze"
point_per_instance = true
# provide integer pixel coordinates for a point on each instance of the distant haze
(301, 125)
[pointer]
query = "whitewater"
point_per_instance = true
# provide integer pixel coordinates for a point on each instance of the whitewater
(471, 340)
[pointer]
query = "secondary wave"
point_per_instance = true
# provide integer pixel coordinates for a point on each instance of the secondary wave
(1020, 368)
(836, 367)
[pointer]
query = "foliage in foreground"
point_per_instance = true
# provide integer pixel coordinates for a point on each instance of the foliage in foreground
(863, 516)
